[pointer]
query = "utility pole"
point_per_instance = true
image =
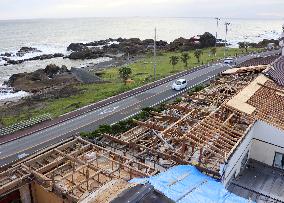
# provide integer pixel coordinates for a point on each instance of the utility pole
(226, 25)
(217, 20)
(155, 54)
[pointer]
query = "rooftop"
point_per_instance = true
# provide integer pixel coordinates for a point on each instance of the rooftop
(276, 73)
(203, 129)
(74, 169)
(185, 184)
(207, 126)
(200, 130)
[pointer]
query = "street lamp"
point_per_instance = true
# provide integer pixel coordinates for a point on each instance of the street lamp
(217, 20)
(155, 54)
(226, 25)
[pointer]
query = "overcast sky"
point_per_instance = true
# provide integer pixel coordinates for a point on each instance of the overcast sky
(23, 9)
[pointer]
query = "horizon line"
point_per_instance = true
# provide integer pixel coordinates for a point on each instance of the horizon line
(204, 17)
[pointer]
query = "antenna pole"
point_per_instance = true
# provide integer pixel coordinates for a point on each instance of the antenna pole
(217, 20)
(155, 54)
(226, 25)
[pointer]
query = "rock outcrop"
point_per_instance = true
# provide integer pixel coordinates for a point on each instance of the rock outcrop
(41, 57)
(133, 46)
(87, 53)
(40, 79)
(25, 50)
(6, 54)
(182, 44)
(76, 47)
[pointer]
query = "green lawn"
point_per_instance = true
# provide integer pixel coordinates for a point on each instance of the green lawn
(143, 69)
(142, 73)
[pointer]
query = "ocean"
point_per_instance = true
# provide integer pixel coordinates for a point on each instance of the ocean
(54, 35)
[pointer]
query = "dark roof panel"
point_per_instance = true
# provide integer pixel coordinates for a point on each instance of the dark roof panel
(141, 194)
(276, 73)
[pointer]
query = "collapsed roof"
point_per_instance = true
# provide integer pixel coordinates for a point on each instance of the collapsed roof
(74, 169)
(207, 126)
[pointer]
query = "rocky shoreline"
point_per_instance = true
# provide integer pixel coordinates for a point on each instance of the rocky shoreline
(120, 47)
(135, 46)
(121, 51)
(41, 57)
(41, 79)
(113, 48)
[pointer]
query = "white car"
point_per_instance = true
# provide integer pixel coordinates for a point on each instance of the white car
(179, 84)
(228, 60)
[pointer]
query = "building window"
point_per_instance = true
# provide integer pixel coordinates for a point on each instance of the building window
(279, 160)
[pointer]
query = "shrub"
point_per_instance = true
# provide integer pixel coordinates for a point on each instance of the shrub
(121, 126)
(178, 100)
(207, 40)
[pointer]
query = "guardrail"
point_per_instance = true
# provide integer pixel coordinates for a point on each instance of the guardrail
(24, 124)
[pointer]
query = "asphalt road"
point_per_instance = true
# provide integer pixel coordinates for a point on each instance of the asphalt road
(22, 147)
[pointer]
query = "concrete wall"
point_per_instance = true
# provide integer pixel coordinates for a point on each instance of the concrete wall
(233, 165)
(264, 152)
(261, 143)
(267, 140)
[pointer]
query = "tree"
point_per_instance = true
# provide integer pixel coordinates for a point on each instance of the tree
(124, 73)
(214, 51)
(197, 54)
(174, 61)
(184, 58)
(244, 45)
(207, 40)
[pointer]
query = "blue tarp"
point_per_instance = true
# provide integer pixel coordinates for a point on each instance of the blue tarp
(184, 184)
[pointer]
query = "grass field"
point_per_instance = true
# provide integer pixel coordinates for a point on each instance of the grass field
(143, 69)
(142, 73)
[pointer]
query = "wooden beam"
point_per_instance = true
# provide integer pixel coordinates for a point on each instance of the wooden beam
(227, 135)
(179, 107)
(213, 152)
(150, 125)
(177, 122)
(166, 117)
(202, 144)
(115, 139)
(223, 143)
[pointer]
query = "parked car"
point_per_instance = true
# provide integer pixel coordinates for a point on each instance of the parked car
(228, 60)
(179, 84)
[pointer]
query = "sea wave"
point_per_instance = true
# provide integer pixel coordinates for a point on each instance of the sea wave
(8, 94)
(2, 62)
(44, 49)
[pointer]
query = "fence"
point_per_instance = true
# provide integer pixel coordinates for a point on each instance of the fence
(24, 124)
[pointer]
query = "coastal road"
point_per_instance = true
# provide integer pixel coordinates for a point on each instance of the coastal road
(109, 114)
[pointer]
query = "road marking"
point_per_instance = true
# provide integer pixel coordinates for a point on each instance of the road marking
(109, 110)
(158, 93)
(195, 70)
(20, 156)
(80, 126)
